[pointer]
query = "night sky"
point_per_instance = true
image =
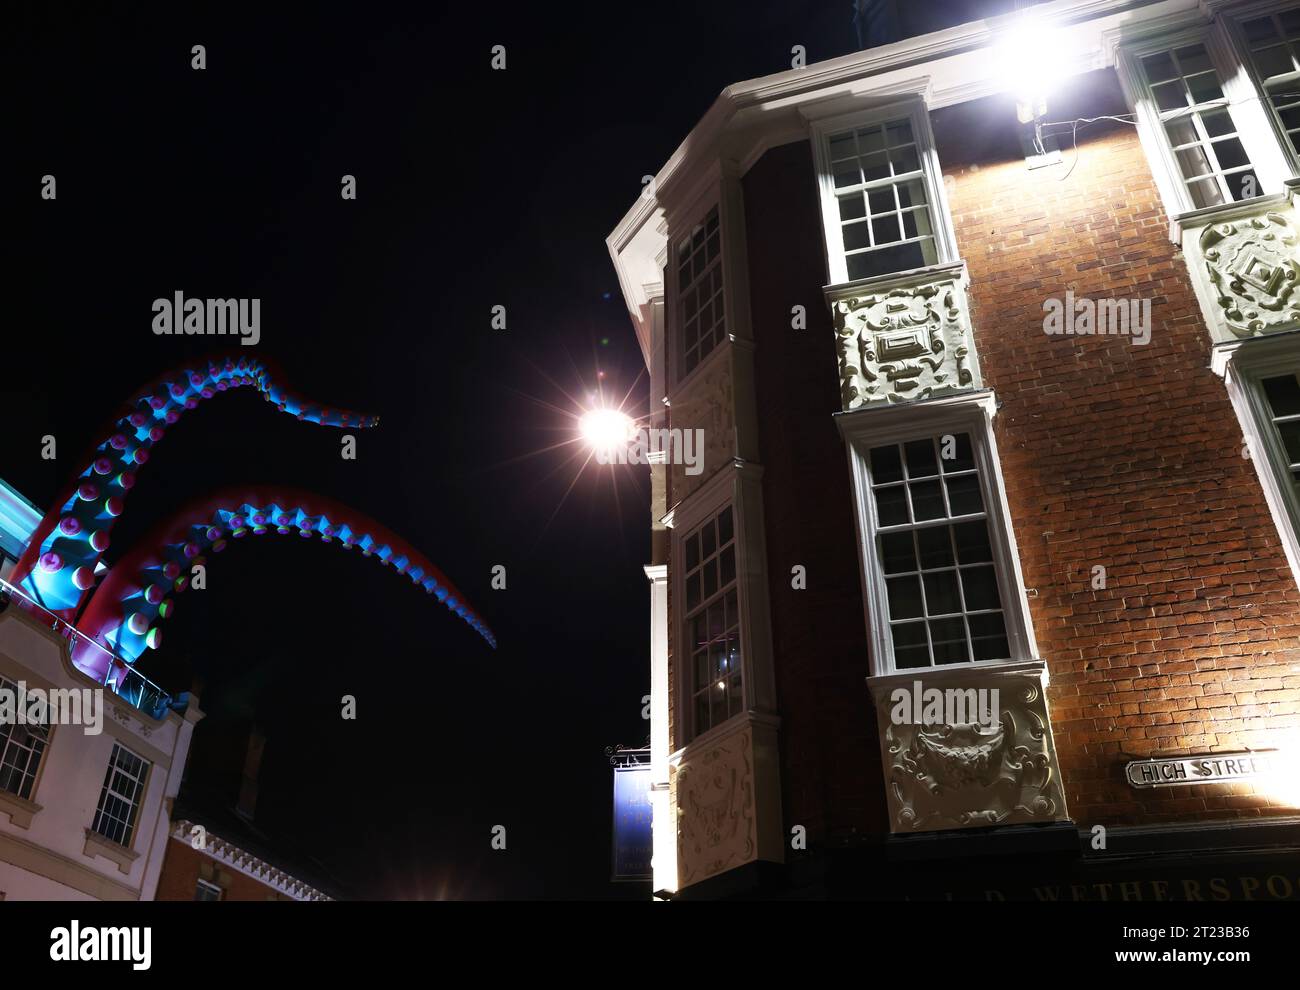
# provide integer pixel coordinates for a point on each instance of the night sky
(475, 189)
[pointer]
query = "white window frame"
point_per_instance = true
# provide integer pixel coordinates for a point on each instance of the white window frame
(970, 413)
(1250, 363)
(137, 806)
(1254, 125)
(719, 265)
(740, 487)
(1237, 37)
(915, 111)
(9, 743)
(718, 596)
(211, 887)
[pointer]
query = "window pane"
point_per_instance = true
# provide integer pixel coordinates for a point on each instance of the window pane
(886, 229)
(899, 132)
(964, 495)
(1169, 96)
(1230, 153)
(910, 649)
(1218, 123)
(973, 544)
(936, 546)
(846, 174)
(941, 593)
(1205, 193)
(875, 167)
(842, 147)
(927, 501)
(1243, 185)
(1283, 395)
(905, 160)
(904, 597)
(897, 552)
(911, 193)
(1205, 87)
(1290, 433)
(1194, 161)
(882, 200)
(1259, 29)
(949, 639)
(1159, 68)
(891, 505)
(898, 258)
(1273, 61)
(916, 223)
(957, 455)
(870, 140)
(988, 635)
(852, 207)
(921, 461)
(886, 465)
(980, 586)
(1193, 59)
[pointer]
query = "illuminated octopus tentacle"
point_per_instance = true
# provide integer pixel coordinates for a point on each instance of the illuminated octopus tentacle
(125, 611)
(59, 565)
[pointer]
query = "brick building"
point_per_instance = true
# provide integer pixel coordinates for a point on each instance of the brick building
(991, 338)
(217, 850)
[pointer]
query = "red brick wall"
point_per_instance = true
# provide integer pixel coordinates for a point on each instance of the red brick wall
(1127, 457)
(1113, 454)
(184, 865)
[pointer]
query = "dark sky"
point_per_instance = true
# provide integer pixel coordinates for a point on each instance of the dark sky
(475, 188)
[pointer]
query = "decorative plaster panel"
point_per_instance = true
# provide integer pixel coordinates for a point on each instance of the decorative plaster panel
(716, 822)
(1247, 269)
(707, 404)
(904, 339)
(968, 774)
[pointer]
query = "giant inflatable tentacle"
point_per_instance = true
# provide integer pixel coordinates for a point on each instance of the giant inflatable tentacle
(126, 610)
(59, 566)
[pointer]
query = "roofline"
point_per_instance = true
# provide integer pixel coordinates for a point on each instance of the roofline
(792, 88)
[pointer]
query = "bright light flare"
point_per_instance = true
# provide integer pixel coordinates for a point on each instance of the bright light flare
(606, 430)
(1031, 61)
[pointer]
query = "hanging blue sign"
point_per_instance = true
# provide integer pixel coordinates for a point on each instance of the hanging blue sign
(633, 836)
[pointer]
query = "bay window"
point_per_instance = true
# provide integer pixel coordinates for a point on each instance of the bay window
(701, 308)
(1273, 41)
(938, 555)
(713, 622)
(883, 205)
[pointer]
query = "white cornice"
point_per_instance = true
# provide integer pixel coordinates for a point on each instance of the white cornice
(229, 854)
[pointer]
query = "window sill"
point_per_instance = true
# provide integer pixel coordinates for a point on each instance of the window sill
(721, 731)
(1190, 220)
(20, 810)
(880, 283)
(957, 671)
(97, 845)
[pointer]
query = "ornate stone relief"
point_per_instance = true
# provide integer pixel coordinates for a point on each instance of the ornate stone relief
(970, 774)
(1251, 265)
(707, 404)
(906, 341)
(716, 827)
